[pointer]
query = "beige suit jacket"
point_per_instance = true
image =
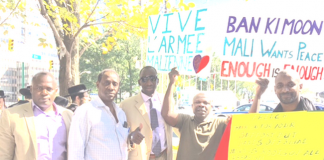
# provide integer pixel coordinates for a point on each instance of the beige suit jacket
(17, 132)
(136, 114)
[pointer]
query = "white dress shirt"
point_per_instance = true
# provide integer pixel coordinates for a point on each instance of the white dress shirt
(157, 104)
(95, 135)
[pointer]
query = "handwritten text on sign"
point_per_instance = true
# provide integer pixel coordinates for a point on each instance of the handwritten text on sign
(263, 46)
(177, 40)
(277, 136)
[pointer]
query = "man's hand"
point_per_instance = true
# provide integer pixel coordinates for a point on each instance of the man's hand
(262, 86)
(136, 136)
(173, 75)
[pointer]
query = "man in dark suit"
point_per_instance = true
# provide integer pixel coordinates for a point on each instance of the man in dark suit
(25, 92)
(79, 95)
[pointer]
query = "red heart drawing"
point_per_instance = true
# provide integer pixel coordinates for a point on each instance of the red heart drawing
(200, 63)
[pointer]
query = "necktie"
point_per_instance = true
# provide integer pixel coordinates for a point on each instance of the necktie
(156, 144)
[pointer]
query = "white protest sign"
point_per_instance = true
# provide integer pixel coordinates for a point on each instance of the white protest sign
(177, 40)
(257, 39)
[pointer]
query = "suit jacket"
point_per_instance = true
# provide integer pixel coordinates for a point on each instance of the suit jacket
(18, 134)
(136, 114)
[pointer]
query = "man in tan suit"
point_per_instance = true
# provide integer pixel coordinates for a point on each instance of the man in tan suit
(38, 129)
(145, 108)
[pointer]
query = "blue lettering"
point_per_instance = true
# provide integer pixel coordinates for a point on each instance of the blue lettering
(198, 42)
(183, 27)
(229, 44)
(314, 59)
(189, 43)
(300, 47)
(167, 23)
(198, 19)
(157, 22)
(184, 41)
(267, 52)
(239, 46)
(171, 41)
(163, 44)
(319, 58)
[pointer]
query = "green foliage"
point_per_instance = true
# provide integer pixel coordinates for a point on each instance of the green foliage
(121, 59)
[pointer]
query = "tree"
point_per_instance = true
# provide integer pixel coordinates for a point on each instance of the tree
(11, 8)
(72, 20)
(122, 58)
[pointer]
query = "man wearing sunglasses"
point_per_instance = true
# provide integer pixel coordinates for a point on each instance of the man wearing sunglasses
(145, 108)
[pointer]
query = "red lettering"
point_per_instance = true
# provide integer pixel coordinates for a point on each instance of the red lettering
(244, 69)
(266, 70)
(223, 69)
(286, 65)
(259, 74)
(233, 70)
(313, 77)
(305, 75)
(247, 71)
(319, 73)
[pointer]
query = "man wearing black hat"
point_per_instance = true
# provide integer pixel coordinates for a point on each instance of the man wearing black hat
(25, 92)
(79, 95)
(61, 101)
(2, 101)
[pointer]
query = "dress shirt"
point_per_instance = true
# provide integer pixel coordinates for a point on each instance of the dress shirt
(157, 104)
(51, 133)
(95, 134)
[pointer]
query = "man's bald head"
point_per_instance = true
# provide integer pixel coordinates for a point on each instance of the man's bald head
(289, 73)
(40, 75)
(107, 70)
(287, 87)
(201, 106)
(202, 94)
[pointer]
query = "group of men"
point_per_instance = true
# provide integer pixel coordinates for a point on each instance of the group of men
(78, 93)
(140, 128)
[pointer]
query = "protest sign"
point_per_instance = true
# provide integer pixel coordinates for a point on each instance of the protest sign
(251, 39)
(294, 135)
(177, 40)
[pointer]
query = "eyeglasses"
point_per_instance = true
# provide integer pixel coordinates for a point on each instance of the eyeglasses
(151, 78)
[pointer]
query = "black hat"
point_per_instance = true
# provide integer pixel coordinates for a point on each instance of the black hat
(74, 90)
(25, 91)
(61, 101)
(2, 94)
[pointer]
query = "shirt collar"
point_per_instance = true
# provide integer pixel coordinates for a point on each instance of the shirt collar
(57, 110)
(146, 97)
(99, 103)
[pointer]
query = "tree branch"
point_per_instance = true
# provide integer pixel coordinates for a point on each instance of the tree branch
(90, 44)
(55, 32)
(11, 12)
(83, 26)
(91, 12)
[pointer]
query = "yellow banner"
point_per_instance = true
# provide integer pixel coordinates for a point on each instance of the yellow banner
(277, 136)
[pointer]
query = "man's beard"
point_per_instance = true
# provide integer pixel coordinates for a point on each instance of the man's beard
(288, 100)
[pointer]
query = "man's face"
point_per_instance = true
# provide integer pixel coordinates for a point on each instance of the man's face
(108, 86)
(85, 99)
(287, 89)
(201, 106)
(148, 81)
(1, 103)
(44, 91)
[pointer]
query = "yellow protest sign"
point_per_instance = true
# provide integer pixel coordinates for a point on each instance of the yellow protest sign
(277, 136)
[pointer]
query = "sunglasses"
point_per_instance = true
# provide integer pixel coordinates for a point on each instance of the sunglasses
(151, 78)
